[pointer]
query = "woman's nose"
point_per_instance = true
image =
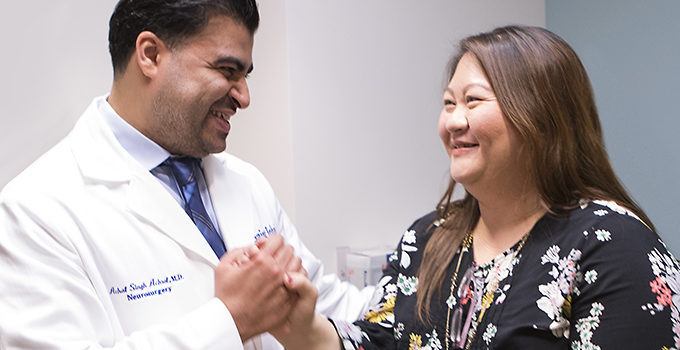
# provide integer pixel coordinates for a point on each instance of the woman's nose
(457, 121)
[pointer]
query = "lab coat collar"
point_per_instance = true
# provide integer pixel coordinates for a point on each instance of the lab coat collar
(145, 151)
(99, 155)
(102, 160)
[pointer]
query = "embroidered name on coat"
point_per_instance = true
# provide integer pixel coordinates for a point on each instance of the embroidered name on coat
(264, 232)
(147, 288)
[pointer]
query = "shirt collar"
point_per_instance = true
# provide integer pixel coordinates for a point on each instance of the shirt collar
(148, 153)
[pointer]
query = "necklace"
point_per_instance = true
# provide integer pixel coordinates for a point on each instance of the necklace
(489, 291)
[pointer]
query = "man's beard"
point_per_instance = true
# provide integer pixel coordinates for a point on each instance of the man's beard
(173, 128)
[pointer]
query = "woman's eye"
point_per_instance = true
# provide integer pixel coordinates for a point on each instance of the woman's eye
(469, 99)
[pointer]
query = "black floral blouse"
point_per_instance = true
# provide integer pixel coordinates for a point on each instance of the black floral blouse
(597, 278)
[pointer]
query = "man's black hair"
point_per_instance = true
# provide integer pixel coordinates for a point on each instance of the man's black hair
(172, 21)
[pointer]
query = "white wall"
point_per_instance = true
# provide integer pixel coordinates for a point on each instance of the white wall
(365, 94)
(54, 60)
(262, 133)
(345, 98)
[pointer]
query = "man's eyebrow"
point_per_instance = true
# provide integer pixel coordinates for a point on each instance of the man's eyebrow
(240, 65)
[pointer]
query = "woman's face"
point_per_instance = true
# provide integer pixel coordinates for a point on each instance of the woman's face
(484, 149)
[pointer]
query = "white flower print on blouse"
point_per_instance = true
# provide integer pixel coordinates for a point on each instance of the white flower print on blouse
(617, 208)
(591, 276)
(406, 247)
(381, 310)
(381, 290)
(600, 212)
(504, 265)
(407, 285)
(350, 334)
(666, 288)
(489, 333)
(613, 206)
(416, 342)
(603, 235)
(557, 293)
(391, 289)
(552, 304)
(409, 237)
(433, 342)
(451, 302)
(399, 331)
(393, 257)
(585, 328)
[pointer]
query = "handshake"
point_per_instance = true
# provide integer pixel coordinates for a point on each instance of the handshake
(266, 289)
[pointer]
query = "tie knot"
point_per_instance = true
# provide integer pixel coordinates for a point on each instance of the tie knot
(183, 168)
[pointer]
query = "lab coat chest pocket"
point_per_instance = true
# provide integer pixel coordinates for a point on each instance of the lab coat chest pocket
(143, 297)
(143, 271)
(147, 286)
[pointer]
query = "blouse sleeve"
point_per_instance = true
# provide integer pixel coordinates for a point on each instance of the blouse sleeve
(626, 293)
(376, 329)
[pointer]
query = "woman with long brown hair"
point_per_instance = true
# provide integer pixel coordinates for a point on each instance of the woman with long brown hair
(546, 250)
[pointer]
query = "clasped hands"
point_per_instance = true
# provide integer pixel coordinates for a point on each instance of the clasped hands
(266, 289)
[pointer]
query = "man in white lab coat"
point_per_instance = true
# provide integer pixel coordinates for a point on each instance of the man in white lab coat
(104, 243)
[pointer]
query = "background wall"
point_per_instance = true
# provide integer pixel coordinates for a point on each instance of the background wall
(54, 61)
(262, 133)
(366, 82)
(632, 53)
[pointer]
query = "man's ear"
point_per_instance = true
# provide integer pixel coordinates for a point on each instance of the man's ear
(149, 49)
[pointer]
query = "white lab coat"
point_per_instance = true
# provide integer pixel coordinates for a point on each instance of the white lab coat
(95, 253)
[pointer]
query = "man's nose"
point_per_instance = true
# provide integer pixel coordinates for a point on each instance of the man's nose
(240, 94)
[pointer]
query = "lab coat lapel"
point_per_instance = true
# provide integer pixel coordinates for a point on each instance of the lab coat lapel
(235, 218)
(148, 200)
(103, 161)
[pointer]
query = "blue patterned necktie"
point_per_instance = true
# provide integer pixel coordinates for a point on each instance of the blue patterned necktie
(184, 169)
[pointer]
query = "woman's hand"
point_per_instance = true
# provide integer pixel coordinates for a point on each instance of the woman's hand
(305, 329)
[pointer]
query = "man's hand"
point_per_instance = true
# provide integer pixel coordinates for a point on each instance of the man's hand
(282, 253)
(250, 283)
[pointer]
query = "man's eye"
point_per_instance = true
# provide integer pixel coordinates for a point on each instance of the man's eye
(228, 71)
(233, 73)
(448, 102)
